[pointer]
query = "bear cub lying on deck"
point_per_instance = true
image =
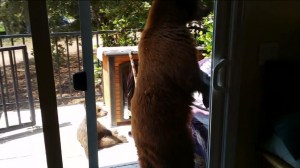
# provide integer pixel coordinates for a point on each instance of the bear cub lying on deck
(106, 138)
(168, 75)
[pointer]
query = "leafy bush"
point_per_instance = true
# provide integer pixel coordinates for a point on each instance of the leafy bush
(2, 27)
(206, 35)
(124, 17)
(97, 72)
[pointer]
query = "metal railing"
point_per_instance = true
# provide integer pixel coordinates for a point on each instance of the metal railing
(16, 90)
(18, 82)
(67, 59)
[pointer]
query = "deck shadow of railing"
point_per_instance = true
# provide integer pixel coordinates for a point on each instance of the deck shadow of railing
(31, 131)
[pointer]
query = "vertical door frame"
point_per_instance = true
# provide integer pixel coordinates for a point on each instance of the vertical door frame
(225, 84)
(88, 67)
(233, 84)
(45, 79)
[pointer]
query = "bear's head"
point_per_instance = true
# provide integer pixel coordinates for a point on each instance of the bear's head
(180, 11)
(194, 9)
(100, 112)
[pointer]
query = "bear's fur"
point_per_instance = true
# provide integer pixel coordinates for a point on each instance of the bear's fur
(168, 75)
(106, 138)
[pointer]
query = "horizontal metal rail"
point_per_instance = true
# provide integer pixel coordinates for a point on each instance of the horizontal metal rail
(19, 47)
(61, 58)
(70, 33)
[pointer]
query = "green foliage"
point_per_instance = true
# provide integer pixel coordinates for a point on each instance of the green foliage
(97, 72)
(123, 16)
(58, 52)
(117, 15)
(13, 16)
(206, 35)
(60, 11)
(133, 11)
(2, 27)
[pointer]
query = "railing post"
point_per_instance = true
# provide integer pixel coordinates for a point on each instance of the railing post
(28, 84)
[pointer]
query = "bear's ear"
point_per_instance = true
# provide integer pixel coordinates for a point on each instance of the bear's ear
(194, 9)
(204, 7)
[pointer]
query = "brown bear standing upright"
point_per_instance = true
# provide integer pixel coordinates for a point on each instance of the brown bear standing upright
(168, 75)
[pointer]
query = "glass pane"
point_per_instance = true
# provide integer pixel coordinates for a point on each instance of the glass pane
(21, 133)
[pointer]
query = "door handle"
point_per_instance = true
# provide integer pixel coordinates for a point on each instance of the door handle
(218, 77)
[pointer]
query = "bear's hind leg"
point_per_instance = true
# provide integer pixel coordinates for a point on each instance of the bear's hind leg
(110, 141)
(144, 163)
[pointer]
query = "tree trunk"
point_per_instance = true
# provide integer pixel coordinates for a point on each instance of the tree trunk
(26, 17)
